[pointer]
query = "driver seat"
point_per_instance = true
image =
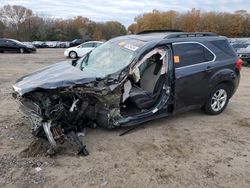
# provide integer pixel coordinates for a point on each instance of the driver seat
(151, 84)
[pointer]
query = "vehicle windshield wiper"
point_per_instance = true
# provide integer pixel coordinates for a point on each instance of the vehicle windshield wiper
(85, 59)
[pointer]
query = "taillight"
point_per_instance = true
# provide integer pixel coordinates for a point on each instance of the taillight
(239, 64)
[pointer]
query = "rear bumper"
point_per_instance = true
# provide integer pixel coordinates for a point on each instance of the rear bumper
(31, 49)
(236, 83)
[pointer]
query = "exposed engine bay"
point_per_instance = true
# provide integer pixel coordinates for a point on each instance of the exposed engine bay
(62, 115)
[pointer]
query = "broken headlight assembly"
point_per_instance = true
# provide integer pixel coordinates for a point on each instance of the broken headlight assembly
(62, 115)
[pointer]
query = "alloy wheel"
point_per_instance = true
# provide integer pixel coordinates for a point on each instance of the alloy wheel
(73, 55)
(219, 100)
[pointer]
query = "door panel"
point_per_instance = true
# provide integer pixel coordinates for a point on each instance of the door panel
(192, 74)
(83, 51)
(11, 46)
(192, 84)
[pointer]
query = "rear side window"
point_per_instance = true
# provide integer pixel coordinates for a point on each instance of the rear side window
(87, 45)
(224, 46)
(191, 54)
(97, 44)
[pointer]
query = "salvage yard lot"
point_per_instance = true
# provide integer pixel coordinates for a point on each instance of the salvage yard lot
(188, 150)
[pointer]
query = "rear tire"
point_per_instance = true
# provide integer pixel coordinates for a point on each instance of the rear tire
(217, 100)
(73, 55)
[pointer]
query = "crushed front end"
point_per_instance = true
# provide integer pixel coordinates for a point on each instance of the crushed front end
(62, 99)
(63, 114)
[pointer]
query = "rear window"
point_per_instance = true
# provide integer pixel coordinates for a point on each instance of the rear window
(191, 54)
(224, 46)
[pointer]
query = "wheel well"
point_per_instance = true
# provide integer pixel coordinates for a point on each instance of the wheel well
(74, 52)
(22, 48)
(229, 84)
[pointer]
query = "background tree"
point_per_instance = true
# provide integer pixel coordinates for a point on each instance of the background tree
(235, 24)
(2, 28)
(15, 16)
(21, 23)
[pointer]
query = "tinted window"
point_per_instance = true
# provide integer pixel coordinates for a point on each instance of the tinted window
(191, 53)
(79, 41)
(2, 41)
(87, 45)
(97, 44)
(224, 46)
(240, 45)
(9, 42)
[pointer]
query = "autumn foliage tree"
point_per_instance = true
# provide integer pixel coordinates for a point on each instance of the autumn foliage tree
(235, 24)
(21, 23)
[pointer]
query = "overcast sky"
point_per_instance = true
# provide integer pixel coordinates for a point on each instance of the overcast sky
(122, 10)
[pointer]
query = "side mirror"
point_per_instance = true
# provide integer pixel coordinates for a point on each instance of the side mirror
(74, 62)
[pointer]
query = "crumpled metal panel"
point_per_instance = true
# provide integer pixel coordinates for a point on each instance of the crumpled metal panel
(58, 75)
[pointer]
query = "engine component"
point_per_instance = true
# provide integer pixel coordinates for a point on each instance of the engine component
(47, 130)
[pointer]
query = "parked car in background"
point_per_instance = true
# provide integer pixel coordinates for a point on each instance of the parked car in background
(82, 49)
(51, 44)
(15, 45)
(238, 46)
(60, 44)
(40, 44)
(28, 44)
(76, 42)
(244, 54)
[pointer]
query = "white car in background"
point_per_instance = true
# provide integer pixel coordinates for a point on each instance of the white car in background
(82, 49)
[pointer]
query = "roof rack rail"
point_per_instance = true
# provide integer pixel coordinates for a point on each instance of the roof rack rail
(159, 31)
(191, 34)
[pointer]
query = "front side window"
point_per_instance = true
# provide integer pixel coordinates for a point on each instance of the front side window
(9, 42)
(191, 54)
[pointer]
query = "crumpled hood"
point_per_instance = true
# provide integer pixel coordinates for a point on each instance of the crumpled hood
(58, 75)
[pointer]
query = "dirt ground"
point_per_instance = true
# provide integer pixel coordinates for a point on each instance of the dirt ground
(188, 150)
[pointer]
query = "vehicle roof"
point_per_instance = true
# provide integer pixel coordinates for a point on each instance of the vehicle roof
(93, 41)
(142, 39)
(147, 37)
(13, 40)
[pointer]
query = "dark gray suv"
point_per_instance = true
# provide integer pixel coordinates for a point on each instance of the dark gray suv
(130, 80)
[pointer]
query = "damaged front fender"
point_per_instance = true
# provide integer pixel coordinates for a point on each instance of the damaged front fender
(57, 113)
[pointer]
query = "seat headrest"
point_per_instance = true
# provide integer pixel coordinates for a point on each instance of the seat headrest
(158, 65)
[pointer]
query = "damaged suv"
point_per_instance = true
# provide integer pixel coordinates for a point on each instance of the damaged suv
(127, 81)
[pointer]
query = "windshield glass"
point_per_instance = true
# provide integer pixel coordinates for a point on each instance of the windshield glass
(106, 59)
